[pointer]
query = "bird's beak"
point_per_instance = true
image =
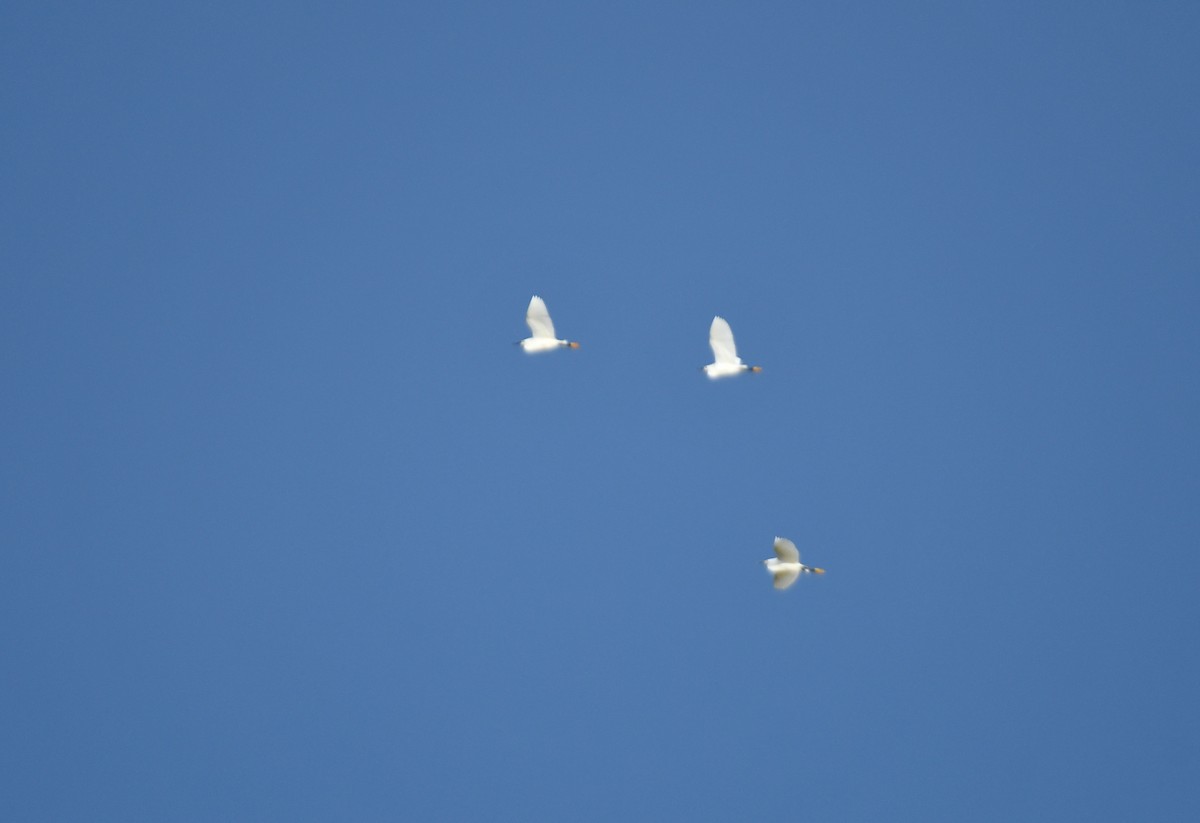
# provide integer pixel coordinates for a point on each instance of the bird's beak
(756, 368)
(573, 345)
(818, 571)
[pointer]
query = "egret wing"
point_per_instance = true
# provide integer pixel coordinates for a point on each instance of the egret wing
(786, 550)
(720, 337)
(538, 318)
(785, 578)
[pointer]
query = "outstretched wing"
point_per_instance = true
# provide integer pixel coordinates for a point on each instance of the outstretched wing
(538, 318)
(783, 579)
(720, 337)
(786, 550)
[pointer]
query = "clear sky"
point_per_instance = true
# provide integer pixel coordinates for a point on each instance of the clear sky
(291, 530)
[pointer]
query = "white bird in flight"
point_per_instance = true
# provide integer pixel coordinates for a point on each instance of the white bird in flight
(542, 328)
(726, 362)
(785, 567)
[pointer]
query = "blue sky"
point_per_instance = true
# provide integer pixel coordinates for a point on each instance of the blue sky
(292, 531)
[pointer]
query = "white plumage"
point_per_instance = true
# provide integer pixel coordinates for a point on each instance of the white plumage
(786, 567)
(541, 327)
(726, 362)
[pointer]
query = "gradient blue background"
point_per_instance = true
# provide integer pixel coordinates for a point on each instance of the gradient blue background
(291, 531)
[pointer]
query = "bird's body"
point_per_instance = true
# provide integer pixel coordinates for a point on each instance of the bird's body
(786, 567)
(542, 338)
(726, 362)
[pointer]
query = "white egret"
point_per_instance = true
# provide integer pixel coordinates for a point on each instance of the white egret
(785, 567)
(542, 328)
(726, 362)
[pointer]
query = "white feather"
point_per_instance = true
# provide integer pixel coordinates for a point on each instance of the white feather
(785, 567)
(786, 550)
(726, 362)
(720, 338)
(785, 577)
(538, 318)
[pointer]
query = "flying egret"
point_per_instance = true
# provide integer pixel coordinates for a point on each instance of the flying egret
(542, 327)
(726, 362)
(785, 567)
